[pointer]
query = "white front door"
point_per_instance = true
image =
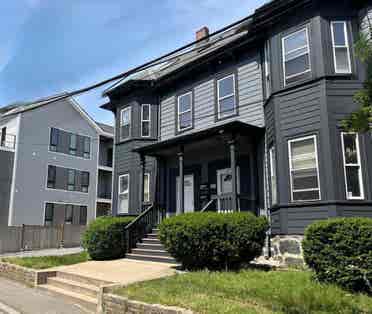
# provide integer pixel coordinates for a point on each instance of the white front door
(224, 183)
(188, 193)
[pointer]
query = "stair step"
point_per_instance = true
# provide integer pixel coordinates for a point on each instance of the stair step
(151, 258)
(86, 302)
(74, 286)
(152, 236)
(151, 241)
(82, 279)
(151, 252)
(151, 246)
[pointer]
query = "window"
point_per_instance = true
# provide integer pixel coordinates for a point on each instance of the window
(84, 181)
(52, 170)
(267, 69)
(274, 197)
(145, 120)
(71, 180)
(352, 166)
(125, 123)
(304, 171)
(226, 96)
(83, 216)
(73, 141)
(146, 188)
(341, 51)
(123, 194)
(54, 136)
(184, 113)
(296, 55)
(49, 213)
(69, 209)
(86, 153)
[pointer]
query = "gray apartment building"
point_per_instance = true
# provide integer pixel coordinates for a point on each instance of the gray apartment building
(250, 119)
(55, 164)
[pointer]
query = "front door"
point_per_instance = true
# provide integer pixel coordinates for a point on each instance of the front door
(188, 193)
(224, 186)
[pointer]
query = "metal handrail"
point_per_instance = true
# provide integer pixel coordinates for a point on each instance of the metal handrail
(205, 208)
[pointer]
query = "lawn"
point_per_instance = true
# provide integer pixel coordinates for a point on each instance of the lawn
(248, 292)
(44, 262)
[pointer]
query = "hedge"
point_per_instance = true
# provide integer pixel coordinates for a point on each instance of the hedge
(340, 251)
(213, 240)
(104, 238)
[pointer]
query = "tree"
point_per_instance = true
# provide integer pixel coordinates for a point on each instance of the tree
(361, 120)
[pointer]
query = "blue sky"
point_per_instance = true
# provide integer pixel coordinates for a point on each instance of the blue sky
(50, 46)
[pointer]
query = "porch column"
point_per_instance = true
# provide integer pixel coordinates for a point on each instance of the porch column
(232, 145)
(142, 179)
(181, 189)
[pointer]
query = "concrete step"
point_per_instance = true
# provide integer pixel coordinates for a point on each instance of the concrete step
(152, 236)
(151, 252)
(151, 241)
(74, 286)
(82, 279)
(89, 304)
(151, 246)
(151, 258)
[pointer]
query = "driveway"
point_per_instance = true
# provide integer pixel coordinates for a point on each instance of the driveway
(15, 298)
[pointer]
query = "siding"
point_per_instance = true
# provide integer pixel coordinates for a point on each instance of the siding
(366, 19)
(6, 174)
(250, 101)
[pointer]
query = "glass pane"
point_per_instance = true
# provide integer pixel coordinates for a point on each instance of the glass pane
(145, 128)
(49, 212)
(71, 176)
(339, 33)
(351, 154)
(305, 179)
(73, 141)
(145, 112)
(295, 41)
(54, 137)
(342, 60)
(304, 163)
(68, 214)
(296, 53)
(123, 204)
(86, 145)
(124, 184)
(226, 87)
(227, 106)
(184, 103)
(146, 187)
(125, 130)
(125, 117)
(83, 215)
(301, 147)
(306, 196)
(353, 184)
(297, 65)
(185, 120)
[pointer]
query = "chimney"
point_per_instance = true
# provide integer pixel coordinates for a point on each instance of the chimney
(202, 33)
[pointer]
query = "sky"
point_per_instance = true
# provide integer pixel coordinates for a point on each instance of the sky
(51, 46)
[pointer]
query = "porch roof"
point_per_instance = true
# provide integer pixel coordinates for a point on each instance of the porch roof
(232, 127)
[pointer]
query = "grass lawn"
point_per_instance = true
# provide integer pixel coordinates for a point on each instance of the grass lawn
(248, 291)
(44, 262)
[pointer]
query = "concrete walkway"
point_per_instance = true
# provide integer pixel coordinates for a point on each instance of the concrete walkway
(123, 271)
(48, 252)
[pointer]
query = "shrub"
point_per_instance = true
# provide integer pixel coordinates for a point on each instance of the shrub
(213, 240)
(104, 238)
(340, 251)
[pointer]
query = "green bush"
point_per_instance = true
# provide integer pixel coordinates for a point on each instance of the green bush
(213, 240)
(104, 238)
(340, 251)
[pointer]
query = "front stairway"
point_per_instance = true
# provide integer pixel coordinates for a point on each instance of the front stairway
(151, 249)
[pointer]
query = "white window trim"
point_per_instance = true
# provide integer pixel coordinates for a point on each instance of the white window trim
(147, 174)
(359, 164)
(273, 178)
(179, 113)
(347, 46)
(129, 109)
(221, 115)
(147, 120)
(284, 54)
(267, 63)
(125, 192)
(314, 137)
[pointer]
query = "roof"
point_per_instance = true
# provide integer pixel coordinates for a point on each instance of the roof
(106, 128)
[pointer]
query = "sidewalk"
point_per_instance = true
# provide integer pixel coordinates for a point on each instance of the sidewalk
(48, 252)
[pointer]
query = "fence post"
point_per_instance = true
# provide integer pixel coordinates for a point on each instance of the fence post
(62, 233)
(22, 237)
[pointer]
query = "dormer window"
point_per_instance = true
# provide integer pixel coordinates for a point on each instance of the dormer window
(184, 114)
(226, 98)
(341, 50)
(296, 55)
(145, 120)
(125, 122)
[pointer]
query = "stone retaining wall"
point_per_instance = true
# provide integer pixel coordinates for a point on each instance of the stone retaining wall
(287, 250)
(113, 304)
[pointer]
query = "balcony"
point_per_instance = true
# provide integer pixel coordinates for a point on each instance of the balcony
(7, 141)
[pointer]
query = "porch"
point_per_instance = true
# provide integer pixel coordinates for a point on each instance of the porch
(217, 169)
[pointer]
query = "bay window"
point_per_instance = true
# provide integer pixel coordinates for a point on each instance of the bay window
(304, 169)
(273, 186)
(146, 188)
(341, 49)
(125, 123)
(145, 120)
(123, 207)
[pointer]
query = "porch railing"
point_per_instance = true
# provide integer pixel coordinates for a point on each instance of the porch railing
(143, 224)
